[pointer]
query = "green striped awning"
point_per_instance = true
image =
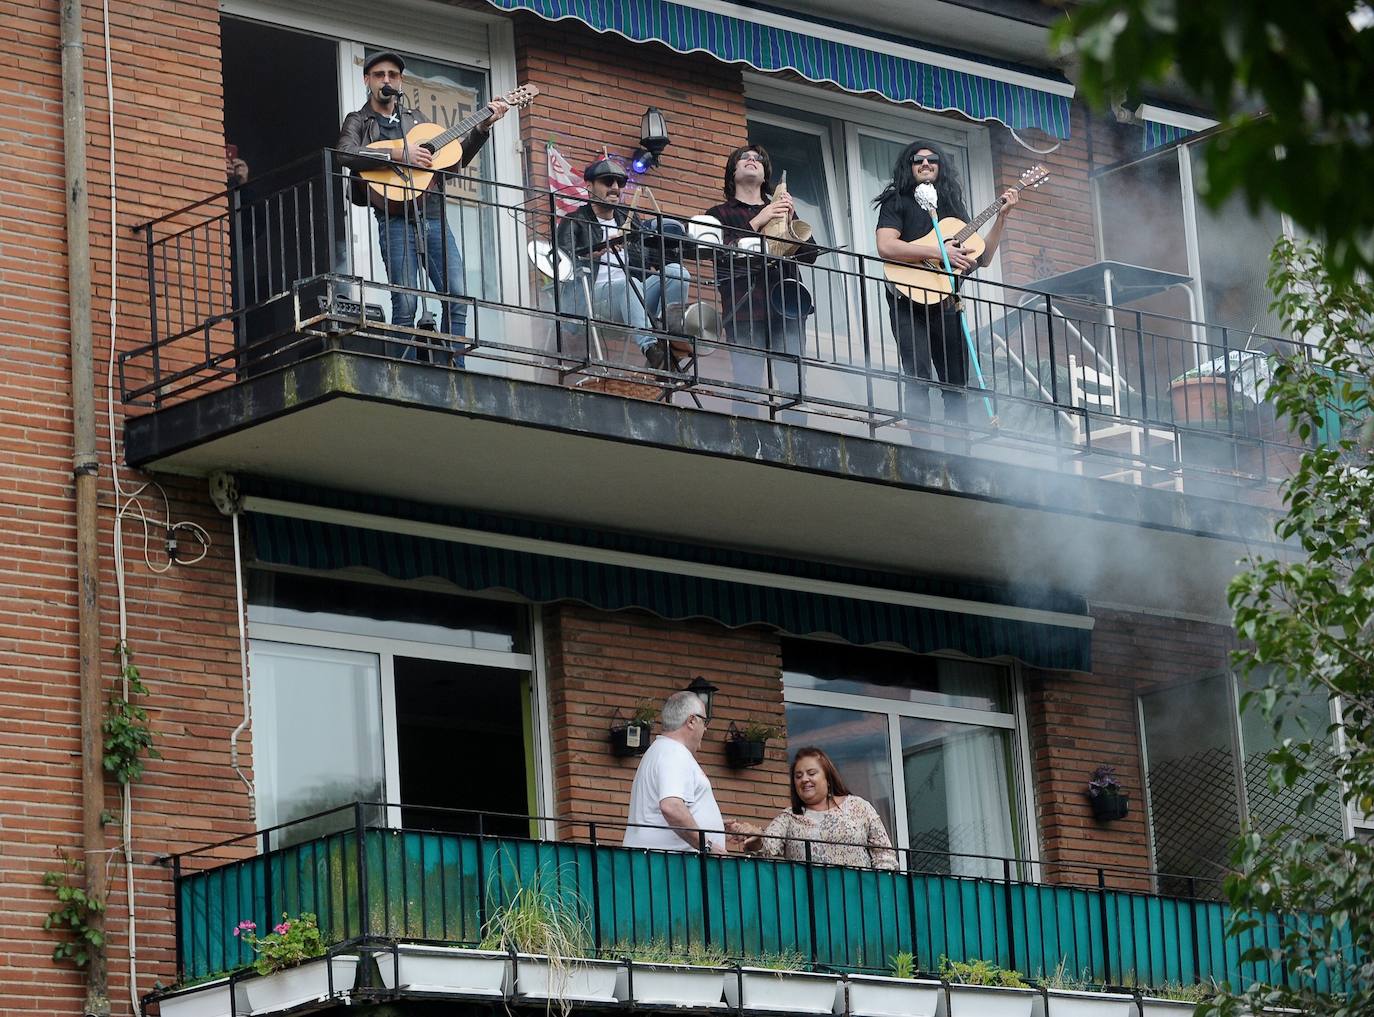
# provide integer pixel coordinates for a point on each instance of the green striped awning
(672, 580)
(853, 59)
(1158, 135)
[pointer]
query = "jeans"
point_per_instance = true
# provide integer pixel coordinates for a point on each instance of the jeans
(443, 263)
(617, 302)
(930, 335)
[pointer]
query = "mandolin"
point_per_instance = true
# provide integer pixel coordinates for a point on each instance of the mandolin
(395, 182)
(928, 282)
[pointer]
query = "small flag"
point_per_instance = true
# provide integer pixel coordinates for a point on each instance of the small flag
(565, 182)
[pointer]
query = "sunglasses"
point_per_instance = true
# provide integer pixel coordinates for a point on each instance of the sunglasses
(751, 157)
(607, 181)
(934, 160)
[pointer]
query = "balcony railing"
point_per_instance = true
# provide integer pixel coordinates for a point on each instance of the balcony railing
(373, 883)
(253, 280)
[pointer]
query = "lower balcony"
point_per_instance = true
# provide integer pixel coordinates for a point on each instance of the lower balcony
(391, 895)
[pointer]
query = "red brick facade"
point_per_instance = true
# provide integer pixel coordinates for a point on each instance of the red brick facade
(183, 629)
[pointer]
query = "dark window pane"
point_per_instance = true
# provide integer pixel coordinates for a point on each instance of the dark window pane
(887, 674)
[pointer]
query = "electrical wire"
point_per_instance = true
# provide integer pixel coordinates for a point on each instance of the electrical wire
(1031, 148)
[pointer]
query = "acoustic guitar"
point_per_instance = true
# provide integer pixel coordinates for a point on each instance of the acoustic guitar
(928, 282)
(395, 182)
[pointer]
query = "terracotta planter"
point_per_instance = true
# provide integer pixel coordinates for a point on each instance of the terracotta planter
(1200, 400)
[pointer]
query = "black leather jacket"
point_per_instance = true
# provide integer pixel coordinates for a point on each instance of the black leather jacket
(360, 129)
(580, 232)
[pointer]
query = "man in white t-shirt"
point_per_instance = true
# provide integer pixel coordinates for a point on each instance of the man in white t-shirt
(672, 796)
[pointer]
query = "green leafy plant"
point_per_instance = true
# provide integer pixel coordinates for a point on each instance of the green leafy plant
(756, 732)
(73, 914)
(1179, 992)
(980, 972)
(902, 965)
(128, 738)
(659, 951)
(291, 941)
(645, 712)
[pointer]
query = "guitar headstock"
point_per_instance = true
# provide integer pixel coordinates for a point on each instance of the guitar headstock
(519, 98)
(1035, 176)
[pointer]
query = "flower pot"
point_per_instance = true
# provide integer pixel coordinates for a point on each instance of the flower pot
(667, 985)
(787, 991)
(574, 981)
(1199, 400)
(879, 996)
(305, 983)
(444, 969)
(212, 999)
(1075, 1003)
(1108, 807)
(1153, 1006)
(631, 740)
(743, 752)
(990, 1001)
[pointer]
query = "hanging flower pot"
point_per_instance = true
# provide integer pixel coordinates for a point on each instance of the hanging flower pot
(632, 737)
(747, 746)
(1105, 794)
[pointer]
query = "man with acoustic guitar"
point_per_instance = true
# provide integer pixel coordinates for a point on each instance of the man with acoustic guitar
(413, 231)
(926, 321)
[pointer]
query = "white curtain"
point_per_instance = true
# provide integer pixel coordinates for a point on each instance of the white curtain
(979, 801)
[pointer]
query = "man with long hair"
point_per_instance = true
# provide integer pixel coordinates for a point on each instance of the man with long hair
(930, 335)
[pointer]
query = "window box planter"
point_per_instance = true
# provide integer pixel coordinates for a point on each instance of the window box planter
(880, 996)
(445, 969)
(211, 999)
(576, 981)
(1153, 1006)
(1107, 808)
(631, 740)
(305, 983)
(1075, 1003)
(786, 991)
(741, 753)
(990, 1001)
(669, 985)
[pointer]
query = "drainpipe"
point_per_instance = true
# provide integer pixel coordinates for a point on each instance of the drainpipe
(84, 465)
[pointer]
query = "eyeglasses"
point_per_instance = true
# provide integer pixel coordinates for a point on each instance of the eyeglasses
(934, 160)
(751, 157)
(701, 717)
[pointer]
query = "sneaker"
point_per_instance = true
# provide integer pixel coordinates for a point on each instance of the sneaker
(656, 354)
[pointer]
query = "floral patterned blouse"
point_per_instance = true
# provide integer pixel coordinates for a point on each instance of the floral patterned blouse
(850, 834)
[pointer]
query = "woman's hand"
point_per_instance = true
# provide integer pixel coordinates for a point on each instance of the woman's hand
(741, 836)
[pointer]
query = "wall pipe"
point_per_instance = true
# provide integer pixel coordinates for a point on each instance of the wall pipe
(84, 469)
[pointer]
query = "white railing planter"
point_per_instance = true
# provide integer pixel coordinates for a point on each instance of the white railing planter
(445, 969)
(213, 999)
(990, 1001)
(668, 985)
(788, 991)
(880, 996)
(1153, 1006)
(1076, 1003)
(305, 983)
(576, 981)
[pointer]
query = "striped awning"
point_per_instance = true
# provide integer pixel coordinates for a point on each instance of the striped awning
(1158, 135)
(612, 572)
(854, 60)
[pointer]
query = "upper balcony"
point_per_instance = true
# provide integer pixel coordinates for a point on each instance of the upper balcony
(269, 339)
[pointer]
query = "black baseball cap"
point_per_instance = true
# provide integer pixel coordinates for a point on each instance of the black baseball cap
(605, 168)
(377, 58)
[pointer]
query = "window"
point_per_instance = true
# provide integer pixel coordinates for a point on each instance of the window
(408, 695)
(932, 742)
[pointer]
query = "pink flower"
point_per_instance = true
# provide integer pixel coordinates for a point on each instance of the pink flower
(282, 929)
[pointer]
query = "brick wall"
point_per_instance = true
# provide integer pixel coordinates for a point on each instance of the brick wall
(168, 119)
(599, 662)
(1079, 722)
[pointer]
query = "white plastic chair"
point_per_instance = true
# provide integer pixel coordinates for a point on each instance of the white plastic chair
(1095, 392)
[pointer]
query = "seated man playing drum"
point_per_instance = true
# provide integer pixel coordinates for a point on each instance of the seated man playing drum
(608, 243)
(762, 301)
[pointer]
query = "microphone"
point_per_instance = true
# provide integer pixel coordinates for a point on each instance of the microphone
(926, 197)
(387, 92)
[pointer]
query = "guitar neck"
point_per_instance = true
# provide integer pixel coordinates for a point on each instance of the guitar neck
(983, 217)
(459, 129)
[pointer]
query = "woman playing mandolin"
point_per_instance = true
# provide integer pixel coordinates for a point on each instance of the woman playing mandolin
(926, 321)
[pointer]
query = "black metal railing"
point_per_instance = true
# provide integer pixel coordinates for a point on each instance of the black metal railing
(250, 281)
(444, 875)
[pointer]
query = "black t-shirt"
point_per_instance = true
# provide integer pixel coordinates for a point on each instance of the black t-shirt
(900, 212)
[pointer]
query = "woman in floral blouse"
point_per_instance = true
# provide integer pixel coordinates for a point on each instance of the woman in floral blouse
(843, 828)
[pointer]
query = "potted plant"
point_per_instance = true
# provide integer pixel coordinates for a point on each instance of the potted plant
(444, 969)
(632, 737)
(898, 995)
(746, 746)
(542, 926)
(288, 973)
(1174, 999)
(202, 997)
(656, 975)
(1067, 995)
(981, 987)
(1105, 794)
(777, 982)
